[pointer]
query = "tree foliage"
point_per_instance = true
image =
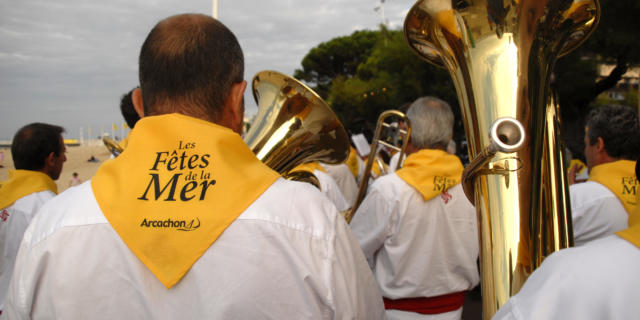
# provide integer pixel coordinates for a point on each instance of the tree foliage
(387, 75)
(577, 80)
(613, 42)
(339, 57)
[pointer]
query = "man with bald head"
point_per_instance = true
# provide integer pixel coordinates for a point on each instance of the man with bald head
(187, 223)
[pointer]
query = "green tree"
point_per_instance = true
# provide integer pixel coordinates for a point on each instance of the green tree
(387, 76)
(338, 57)
(577, 81)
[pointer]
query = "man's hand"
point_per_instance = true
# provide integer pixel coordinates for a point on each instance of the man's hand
(573, 171)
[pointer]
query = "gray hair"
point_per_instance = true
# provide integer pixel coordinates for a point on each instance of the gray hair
(431, 123)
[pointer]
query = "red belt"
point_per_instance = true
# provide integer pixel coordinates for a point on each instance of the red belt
(430, 305)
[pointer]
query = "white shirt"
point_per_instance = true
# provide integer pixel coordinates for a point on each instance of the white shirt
(418, 248)
(289, 255)
(596, 212)
(331, 190)
(345, 180)
(13, 223)
(596, 281)
(393, 162)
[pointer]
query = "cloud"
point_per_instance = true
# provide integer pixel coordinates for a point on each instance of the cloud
(68, 61)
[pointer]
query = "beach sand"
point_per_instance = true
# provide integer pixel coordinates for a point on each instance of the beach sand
(76, 162)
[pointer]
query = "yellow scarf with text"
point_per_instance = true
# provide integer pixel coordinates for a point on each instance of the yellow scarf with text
(431, 172)
(632, 234)
(179, 184)
(619, 177)
(23, 183)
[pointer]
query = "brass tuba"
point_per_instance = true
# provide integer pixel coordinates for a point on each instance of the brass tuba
(293, 126)
(500, 55)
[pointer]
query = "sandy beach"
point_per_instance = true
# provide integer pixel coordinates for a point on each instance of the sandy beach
(76, 162)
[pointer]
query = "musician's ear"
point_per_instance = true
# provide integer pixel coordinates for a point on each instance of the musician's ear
(136, 98)
(233, 113)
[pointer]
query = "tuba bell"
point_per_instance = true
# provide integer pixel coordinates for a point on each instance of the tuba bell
(293, 126)
(500, 55)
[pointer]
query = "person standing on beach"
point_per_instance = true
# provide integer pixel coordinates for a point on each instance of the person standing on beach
(75, 180)
(187, 223)
(38, 154)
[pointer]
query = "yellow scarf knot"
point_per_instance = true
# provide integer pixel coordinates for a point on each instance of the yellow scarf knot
(431, 172)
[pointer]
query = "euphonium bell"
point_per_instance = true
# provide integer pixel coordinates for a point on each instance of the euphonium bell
(500, 55)
(293, 125)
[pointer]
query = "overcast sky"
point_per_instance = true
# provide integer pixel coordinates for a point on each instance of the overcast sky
(67, 62)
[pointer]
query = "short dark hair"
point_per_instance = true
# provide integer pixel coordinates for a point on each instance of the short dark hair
(128, 111)
(33, 143)
(619, 129)
(190, 58)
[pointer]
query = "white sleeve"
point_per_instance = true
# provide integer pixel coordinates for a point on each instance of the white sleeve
(507, 312)
(23, 283)
(331, 190)
(354, 284)
(27, 265)
(595, 212)
(371, 222)
(393, 163)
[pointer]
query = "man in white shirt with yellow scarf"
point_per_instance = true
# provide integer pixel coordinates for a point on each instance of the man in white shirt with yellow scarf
(601, 205)
(187, 223)
(598, 280)
(38, 154)
(416, 226)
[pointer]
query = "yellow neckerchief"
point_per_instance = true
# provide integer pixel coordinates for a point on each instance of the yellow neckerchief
(309, 167)
(619, 177)
(634, 217)
(352, 162)
(23, 183)
(125, 142)
(632, 234)
(179, 184)
(431, 172)
(577, 163)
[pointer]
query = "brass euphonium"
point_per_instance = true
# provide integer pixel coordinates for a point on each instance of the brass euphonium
(500, 55)
(293, 126)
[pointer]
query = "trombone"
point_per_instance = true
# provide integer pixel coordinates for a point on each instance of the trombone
(375, 143)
